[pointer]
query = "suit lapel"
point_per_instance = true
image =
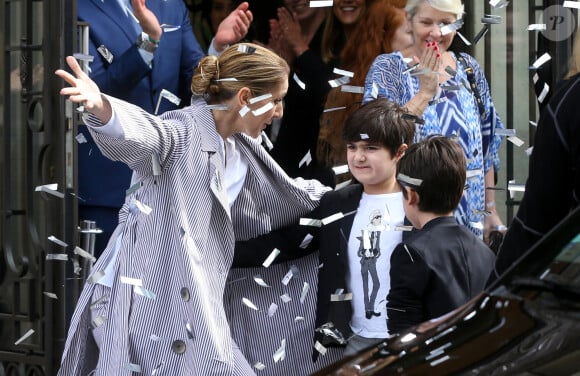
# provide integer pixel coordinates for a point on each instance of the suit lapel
(348, 205)
(113, 10)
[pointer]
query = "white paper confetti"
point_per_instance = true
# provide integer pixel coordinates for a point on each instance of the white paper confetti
(50, 189)
(375, 90)
(272, 309)
(132, 367)
(24, 337)
(280, 354)
(342, 72)
(352, 89)
(260, 281)
(516, 141)
(259, 366)
(310, 222)
(98, 321)
(467, 42)
(81, 139)
(307, 159)
(299, 81)
(131, 281)
(320, 348)
(572, 4)
(271, 257)
(544, 93)
(244, 110)
(51, 295)
(306, 241)
(332, 218)
(262, 110)
(57, 256)
(139, 290)
(97, 276)
(339, 81)
(343, 169)
(506, 132)
(84, 57)
(529, 151)
(141, 207)
(541, 60)
(533, 27)
(267, 141)
(81, 252)
(55, 240)
(320, 3)
(340, 297)
(156, 164)
(260, 98)
(249, 303)
(299, 318)
(170, 97)
(334, 109)
(285, 298)
(305, 289)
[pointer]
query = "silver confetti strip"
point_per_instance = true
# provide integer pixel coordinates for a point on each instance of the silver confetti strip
(320, 348)
(51, 295)
(50, 189)
(332, 218)
(97, 276)
(133, 367)
(260, 98)
(140, 290)
(98, 321)
(271, 257)
(55, 240)
(156, 164)
(338, 170)
(342, 72)
(307, 159)
(81, 252)
(84, 57)
(131, 281)
(299, 81)
(332, 332)
(272, 309)
(249, 304)
(310, 222)
(57, 256)
(280, 354)
(305, 289)
(218, 107)
(133, 188)
(24, 337)
(415, 182)
(339, 81)
(259, 366)
(262, 110)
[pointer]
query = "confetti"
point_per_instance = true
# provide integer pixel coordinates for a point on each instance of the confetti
(260, 281)
(156, 369)
(507, 132)
(260, 98)
(467, 43)
(491, 19)
(156, 164)
(330, 330)
(51, 295)
(375, 90)
(84, 57)
(339, 81)
(81, 252)
(57, 256)
(288, 276)
(544, 93)
(55, 240)
(262, 110)
(541, 61)
(418, 72)
(498, 4)
(310, 222)
(572, 4)
(132, 367)
(267, 141)
(105, 53)
(259, 366)
(403, 228)
(307, 159)
(271, 258)
(169, 28)
(343, 72)
(411, 68)
(50, 189)
(272, 309)
(285, 298)
(409, 180)
(352, 89)
(299, 81)
(98, 321)
(306, 241)
(217, 107)
(448, 29)
(305, 289)
(342, 169)
(81, 139)
(473, 173)
(136, 204)
(320, 348)
(227, 79)
(516, 141)
(246, 49)
(340, 297)
(24, 337)
(97, 276)
(320, 3)
(533, 27)
(139, 290)
(332, 218)
(189, 330)
(133, 188)
(131, 281)
(334, 109)
(280, 354)
(244, 110)
(249, 303)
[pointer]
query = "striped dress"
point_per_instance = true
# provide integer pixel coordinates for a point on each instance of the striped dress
(165, 312)
(454, 113)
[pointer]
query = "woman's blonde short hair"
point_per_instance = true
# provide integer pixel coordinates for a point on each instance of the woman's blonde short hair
(451, 6)
(240, 65)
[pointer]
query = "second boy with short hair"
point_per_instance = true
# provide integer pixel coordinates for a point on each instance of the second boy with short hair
(443, 264)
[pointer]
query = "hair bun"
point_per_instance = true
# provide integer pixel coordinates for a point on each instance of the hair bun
(205, 74)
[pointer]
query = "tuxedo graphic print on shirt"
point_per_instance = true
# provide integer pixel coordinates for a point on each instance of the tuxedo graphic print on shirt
(372, 239)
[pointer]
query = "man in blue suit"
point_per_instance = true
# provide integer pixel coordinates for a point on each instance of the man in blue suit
(144, 54)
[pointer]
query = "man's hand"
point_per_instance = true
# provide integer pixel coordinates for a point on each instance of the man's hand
(147, 19)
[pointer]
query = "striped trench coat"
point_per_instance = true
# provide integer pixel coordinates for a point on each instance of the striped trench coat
(180, 251)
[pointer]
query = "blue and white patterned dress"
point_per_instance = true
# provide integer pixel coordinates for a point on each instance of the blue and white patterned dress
(455, 114)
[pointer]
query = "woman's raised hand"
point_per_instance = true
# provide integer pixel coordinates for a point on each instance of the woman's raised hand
(431, 62)
(84, 90)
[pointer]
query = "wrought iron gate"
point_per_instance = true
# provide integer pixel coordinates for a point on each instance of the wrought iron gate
(37, 149)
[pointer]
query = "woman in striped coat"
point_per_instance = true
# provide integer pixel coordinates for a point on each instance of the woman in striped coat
(153, 303)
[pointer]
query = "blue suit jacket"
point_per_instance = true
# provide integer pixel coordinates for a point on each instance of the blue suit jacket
(128, 77)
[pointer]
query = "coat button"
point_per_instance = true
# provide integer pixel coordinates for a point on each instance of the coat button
(178, 346)
(185, 294)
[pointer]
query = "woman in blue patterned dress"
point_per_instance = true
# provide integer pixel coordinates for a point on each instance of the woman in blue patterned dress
(435, 86)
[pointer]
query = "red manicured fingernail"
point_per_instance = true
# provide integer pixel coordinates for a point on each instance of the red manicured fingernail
(436, 48)
(438, 55)
(428, 44)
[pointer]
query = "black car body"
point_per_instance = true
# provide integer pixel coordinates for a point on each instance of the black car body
(526, 323)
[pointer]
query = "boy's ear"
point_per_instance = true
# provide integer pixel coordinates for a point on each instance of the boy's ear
(413, 197)
(401, 151)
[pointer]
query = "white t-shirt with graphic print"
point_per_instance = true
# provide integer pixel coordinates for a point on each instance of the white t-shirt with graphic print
(371, 242)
